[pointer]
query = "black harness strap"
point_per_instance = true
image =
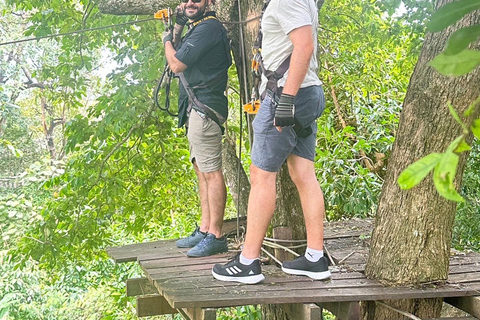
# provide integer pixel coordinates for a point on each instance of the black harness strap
(197, 104)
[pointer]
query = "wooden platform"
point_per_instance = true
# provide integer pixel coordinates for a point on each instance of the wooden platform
(178, 283)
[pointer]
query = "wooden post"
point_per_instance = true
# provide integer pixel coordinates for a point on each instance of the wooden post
(343, 310)
(283, 233)
(301, 311)
(153, 305)
(199, 313)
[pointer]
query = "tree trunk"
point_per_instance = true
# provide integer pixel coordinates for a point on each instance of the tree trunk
(237, 182)
(413, 229)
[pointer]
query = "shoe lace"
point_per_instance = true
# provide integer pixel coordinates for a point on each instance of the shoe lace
(197, 229)
(233, 259)
(205, 242)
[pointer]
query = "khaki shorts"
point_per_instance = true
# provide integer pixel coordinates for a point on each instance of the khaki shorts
(205, 140)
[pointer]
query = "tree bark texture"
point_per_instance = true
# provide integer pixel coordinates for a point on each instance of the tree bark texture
(239, 186)
(413, 229)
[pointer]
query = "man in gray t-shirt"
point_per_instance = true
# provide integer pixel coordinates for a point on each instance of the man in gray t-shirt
(285, 130)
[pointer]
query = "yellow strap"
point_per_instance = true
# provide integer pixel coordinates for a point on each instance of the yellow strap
(203, 19)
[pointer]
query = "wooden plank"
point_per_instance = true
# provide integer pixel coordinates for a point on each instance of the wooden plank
(140, 287)
(199, 313)
(470, 305)
(153, 305)
(271, 283)
(464, 277)
(300, 311)
(130, 252)
(343, 310)
(183, 261)
(216, 298)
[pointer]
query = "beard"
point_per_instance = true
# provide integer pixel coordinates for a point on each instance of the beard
(200, 11)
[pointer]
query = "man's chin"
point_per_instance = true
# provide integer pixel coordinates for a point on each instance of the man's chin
(193, 14)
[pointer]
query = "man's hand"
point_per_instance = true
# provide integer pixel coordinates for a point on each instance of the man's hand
(181, 18)
(167, 36)
(285, 111)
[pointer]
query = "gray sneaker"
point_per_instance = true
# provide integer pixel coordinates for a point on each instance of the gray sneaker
(209, 246)
(192, 240)
(301, 266)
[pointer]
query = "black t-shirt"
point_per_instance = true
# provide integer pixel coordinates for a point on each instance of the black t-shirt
(205, 50)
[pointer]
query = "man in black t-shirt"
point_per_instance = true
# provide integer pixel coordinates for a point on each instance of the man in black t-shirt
(203, 57)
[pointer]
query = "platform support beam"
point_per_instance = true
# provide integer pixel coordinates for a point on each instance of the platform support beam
(140, 287)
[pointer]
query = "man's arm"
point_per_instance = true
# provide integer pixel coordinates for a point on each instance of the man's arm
(174, 64)
(303, 47)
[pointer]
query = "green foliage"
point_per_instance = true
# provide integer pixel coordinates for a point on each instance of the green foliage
(240, 313)
(457, 64)
(418, 170)
(456, 59)
(368, 56)
(451, 13)
(466, 234)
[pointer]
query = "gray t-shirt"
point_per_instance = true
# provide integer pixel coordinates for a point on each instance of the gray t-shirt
(280, 18)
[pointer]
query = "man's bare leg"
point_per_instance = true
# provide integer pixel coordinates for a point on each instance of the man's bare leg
(216, 198)
(261, 205)
(204, 203)
(302, 172)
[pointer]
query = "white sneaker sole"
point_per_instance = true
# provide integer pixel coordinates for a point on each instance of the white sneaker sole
(247, 279)
(314, 275)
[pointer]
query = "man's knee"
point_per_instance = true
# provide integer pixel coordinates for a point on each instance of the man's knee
(302, 173)
(259, 176)
(213, 176)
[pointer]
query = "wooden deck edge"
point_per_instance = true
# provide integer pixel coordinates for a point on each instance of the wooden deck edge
(470, 305)
(153, 305)
(343, 310)
(301, 311)
(140, 287)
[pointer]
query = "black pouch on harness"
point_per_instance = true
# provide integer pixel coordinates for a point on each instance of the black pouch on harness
(302, 131)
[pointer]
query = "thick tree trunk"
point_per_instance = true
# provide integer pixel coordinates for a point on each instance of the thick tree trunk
(413, 229)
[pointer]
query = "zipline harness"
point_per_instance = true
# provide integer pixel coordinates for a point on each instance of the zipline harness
(167, 76)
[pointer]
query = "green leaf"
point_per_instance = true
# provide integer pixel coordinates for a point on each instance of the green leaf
(456, 65)
(476, 128)
(443, 176)
(454, 144)
(455, 115)
(463, 146)
(451, 13)
(418, 170)
(461, 39)
(471, 107)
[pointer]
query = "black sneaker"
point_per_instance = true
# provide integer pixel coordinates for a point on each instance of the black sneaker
(301, 266)
(235, 271)
(192, 240)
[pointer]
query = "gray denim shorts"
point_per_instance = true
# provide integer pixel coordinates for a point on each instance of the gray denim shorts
(205, 140)
(270, 147)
